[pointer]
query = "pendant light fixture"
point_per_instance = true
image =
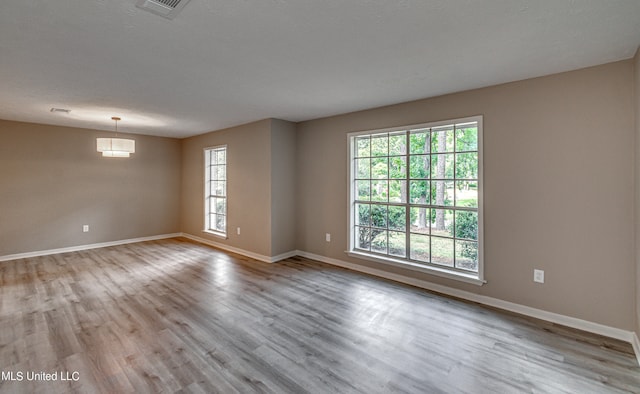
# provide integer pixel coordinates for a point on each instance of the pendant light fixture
(116, 147)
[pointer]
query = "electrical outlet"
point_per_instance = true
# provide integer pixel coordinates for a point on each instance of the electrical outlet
(238, 230)
(85, 228)
(538, 276)
(327, 237)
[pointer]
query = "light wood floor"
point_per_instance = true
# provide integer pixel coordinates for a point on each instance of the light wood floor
(175, 316)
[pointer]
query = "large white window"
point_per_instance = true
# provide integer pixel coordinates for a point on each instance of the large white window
(416, 197)
(215, 190)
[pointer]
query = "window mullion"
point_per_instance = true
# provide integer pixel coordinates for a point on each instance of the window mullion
(407, 209)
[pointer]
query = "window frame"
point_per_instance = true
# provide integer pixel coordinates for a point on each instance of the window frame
(207, 191)
(405, 262)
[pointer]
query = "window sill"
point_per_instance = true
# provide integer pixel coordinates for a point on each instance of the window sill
(216, 234)
(459, 276)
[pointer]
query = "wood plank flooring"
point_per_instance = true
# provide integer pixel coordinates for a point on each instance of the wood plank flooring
(175, 316)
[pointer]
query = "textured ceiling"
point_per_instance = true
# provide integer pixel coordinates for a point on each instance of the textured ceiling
(224, 63)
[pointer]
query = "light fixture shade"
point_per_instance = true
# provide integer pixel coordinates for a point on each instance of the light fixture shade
(115, 147)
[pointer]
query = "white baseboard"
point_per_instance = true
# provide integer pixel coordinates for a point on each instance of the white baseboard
(283, 256)
(596, 328)
(636, 346)
(256, 256)
(86, 247)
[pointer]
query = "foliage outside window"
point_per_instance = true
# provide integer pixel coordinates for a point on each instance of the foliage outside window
(216, 190)
(416, 196)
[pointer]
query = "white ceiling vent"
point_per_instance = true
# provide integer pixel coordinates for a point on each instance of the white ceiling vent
(166, 8)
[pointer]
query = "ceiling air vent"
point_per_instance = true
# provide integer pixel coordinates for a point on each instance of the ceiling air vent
(166, 8)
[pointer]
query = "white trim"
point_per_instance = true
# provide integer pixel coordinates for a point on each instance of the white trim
(256, 256)
(584, 325)
(444, 273)
(636, 345)
(468, 119)
(478, 278)
(216, 234)
(283, 256)
(86, 247)
(206, 192)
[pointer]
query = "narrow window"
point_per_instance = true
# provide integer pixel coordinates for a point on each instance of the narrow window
(215, 186)
(415, 197)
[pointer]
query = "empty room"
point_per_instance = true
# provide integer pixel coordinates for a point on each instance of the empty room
(204, 196)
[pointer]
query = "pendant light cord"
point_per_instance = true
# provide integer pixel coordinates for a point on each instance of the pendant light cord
(116, 119)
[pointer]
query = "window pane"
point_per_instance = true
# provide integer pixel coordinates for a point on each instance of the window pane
(379, 215)
(442, 251)
(420, 192)
(419, 166)
(397, 218)
(467, 139)
(221, 156)
(442, 192)
(379, 190)
(442, 166)
(364, 190)
(379, 241)
(467, 255)
(420, 220)
(442, 222)
(379, 145)
(363, 216)
(363, 237)
(467, 194)
(397, 191)
(221, 223)
(221, 205)
(397, 244)
(467, 165)
(442, 139)
(362, 146)
(221, 172)
(218, 188)
(398, 143)
(420, 141)
(362, 168)
(380, 168)
(467, 225)
(398, 167)
(419, 249)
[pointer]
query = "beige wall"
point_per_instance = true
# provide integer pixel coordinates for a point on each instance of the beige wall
(248, 187)
(283, 191)
(260, 189)
(559, 187)
(52, 181)
(558, 166)
(636, 68)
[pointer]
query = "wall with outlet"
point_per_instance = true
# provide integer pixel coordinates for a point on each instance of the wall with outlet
(556, 148)
(53, 183)
(260, 189)
(248, 186)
